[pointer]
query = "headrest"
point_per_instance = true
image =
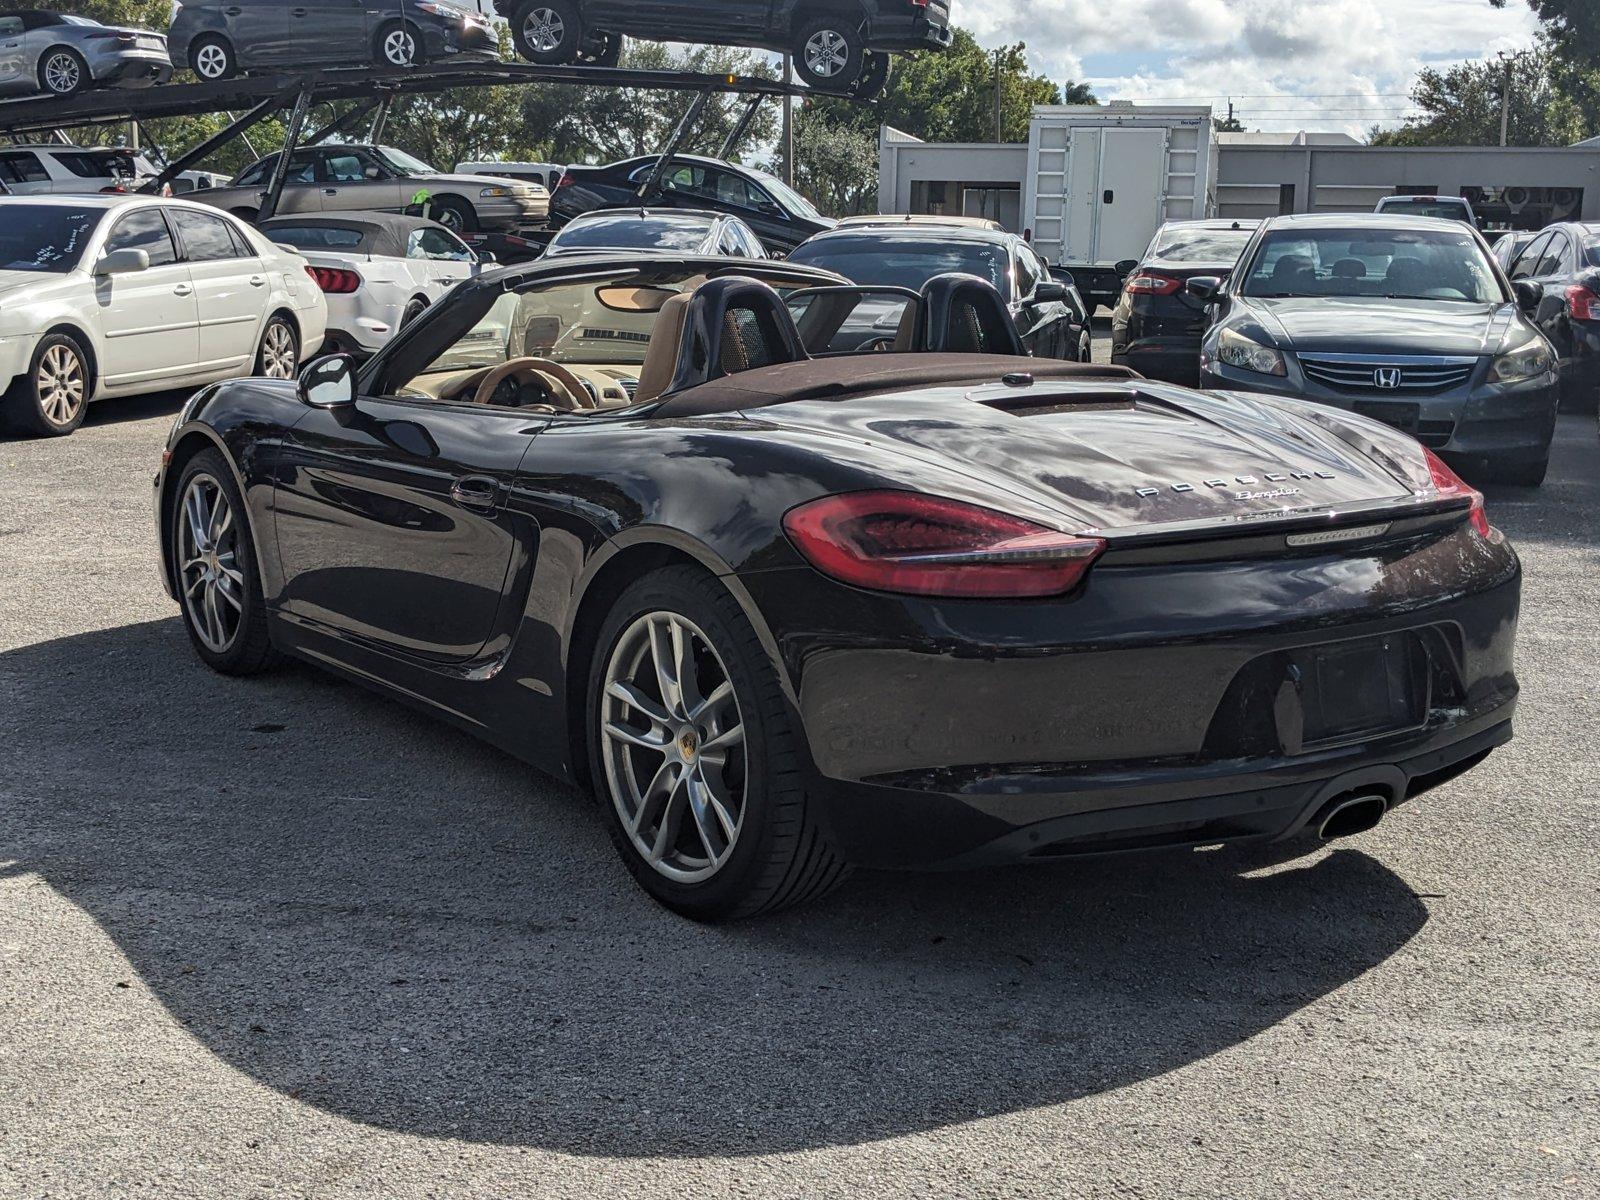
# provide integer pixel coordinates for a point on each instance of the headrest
(732, 324)
(964, 314)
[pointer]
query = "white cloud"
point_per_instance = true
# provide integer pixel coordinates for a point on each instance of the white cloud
(1323, 64)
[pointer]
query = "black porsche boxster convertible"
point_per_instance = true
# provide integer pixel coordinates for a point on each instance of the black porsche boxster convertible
(931, 604)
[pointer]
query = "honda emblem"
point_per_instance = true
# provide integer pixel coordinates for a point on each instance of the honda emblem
(1387, 378)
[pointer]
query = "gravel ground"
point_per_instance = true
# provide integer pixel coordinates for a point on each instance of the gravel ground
(283, 938)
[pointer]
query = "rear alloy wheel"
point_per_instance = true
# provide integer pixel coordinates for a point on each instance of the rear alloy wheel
(694, 751)
(455, 215)
(415, 309)
(279, 356)
(874, 77)
(828, 54)
(51, 399)
(398, 47)
(64, 73)
(213, 59)
(214, 570)
(549, 32)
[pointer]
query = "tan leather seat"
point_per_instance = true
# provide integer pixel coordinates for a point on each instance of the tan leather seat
(905, 333)
(661, 356)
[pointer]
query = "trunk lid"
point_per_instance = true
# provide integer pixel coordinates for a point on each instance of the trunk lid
(1136, 457)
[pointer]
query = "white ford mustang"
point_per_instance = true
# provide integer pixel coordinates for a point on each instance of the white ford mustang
(380, 271)
(106, 296)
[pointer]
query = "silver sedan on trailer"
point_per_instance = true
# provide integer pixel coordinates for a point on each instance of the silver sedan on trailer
(62, 54)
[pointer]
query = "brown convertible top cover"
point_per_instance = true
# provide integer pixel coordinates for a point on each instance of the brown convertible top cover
(851, 375)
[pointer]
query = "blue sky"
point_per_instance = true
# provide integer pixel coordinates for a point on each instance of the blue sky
(1288, 64)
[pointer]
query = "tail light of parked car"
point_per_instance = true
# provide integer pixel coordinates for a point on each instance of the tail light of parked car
(1153, 283)
(335, 281)
(892, 541)
(1583, 304)
(1448, 485)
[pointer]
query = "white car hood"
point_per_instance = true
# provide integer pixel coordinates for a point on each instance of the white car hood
(14, 281)
(482, 181)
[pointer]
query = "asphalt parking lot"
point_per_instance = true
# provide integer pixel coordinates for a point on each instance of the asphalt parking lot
(283, 938)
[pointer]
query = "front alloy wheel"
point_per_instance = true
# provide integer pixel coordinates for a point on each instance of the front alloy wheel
(673, 747)
(543, 30)
(400, 48)
(62, 386)
(210, 580)
(826, 53)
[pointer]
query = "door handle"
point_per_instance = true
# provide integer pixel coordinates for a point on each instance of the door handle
(330, 191)
(183, 289)
(299, 12)
(476, 491)
(257, 281)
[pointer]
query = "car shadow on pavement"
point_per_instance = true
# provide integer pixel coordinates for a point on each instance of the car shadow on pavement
(375, 915)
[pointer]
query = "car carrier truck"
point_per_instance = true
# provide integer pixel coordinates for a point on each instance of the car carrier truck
(1102, 178)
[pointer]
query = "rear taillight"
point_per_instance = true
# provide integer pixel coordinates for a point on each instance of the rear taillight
(920, 545)
(565, 181)
(1448, 485)
(1153, 283)
(1582, 304)
(335, 281)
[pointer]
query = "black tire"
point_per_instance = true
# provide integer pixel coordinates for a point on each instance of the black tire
(780, 855)
(602, 50)
(1086, 347)
(548, 32)
(392, 56)
(63, 72)
(278, 356)
(221, 63)
(455, 214)
(415, 309)
(37, 406)
(828, 52)
(249, 651)
(876, 67)
(1523, 474)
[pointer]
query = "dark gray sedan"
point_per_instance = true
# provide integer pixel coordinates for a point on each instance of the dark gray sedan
(62, 54)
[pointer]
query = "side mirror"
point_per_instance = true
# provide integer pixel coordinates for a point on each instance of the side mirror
(487, 257)
(1204, 287)
(1050, 292)
(329, 382)
(123, 262)
(1126, 267)
(1529, 293)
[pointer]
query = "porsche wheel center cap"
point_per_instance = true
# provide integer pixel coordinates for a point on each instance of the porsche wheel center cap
(688, 744)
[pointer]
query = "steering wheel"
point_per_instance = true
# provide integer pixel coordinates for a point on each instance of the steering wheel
(874, 345)
(567, 390)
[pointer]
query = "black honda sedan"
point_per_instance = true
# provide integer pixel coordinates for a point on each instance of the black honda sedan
(784, 615)
(1405, 319)
(1563, 262)
(1050, 316)
(1157, 325)
(781, 216)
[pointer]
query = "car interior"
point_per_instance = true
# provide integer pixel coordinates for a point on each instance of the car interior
(607, 342)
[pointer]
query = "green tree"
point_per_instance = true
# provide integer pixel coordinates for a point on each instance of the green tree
(594, 124)
(1570, 32)
(948, 96)
(151, 14)
(1461, 106)
(836, 162)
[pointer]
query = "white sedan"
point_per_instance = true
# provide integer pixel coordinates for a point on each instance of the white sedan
(107, 296)
(380, 271)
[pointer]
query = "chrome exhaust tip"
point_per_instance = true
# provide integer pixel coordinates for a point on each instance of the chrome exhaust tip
(1352, 815)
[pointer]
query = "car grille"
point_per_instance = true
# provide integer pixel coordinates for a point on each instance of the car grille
(1433, 433)
(1369, 376)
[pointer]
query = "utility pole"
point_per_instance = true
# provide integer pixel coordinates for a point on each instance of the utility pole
(1505, 99)
(997, 126)
(788, 121)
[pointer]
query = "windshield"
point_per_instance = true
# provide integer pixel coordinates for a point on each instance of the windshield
(1198, 244)
(1399, 264)
(1427, 207)
(45, 238)
(876, 261)
(314, 237)
(403, 163)
(1591, 252)
(633, 232)
(787, 196)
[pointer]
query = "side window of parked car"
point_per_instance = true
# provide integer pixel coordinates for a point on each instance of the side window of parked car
(144, 230)
(11, 27)
(302, 169)
(205, 238)
(437, 245)
(1027, 273)
(22, 168)
(343, 167)
(1554, 259)
(1527, 263)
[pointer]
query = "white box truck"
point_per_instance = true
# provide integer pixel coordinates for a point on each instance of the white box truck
(1102, 178)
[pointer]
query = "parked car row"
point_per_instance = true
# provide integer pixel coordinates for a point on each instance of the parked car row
(842, 48)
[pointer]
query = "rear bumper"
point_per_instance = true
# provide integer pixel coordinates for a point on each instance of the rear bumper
(1173, 359)
(508, 214)
(454, 39)
(1506, 422)
(907, 33)
(1154, 708)
(138, 68)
